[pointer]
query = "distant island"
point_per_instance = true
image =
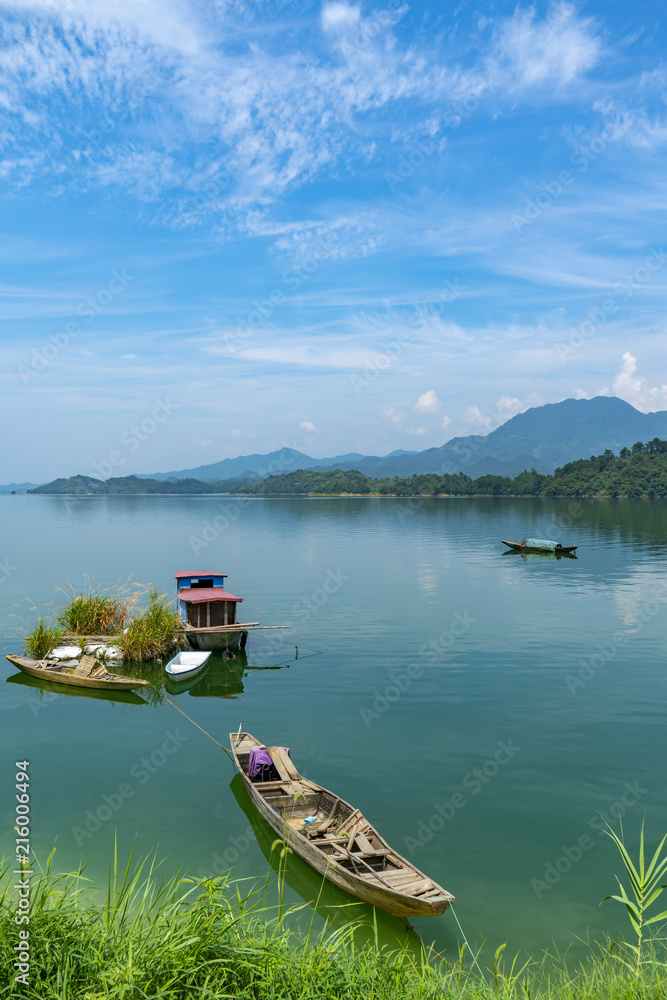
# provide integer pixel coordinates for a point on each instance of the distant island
(634, 472)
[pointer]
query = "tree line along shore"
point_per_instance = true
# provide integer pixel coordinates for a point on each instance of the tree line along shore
(635, 472)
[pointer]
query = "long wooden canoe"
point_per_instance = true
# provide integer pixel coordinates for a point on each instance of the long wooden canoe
(97, 676)
(340, 844)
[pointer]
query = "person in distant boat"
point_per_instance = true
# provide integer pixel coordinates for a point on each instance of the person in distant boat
(558, 546)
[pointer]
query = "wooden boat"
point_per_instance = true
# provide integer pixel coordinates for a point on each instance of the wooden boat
(87, 674)
(333, 905)
(539, 545)
(186, 665)
(335, 839)
(124, 697)
(209, 612)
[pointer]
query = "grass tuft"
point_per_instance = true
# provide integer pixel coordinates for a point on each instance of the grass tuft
(41, 639)
(153, 633)
(90, 613)
(176, 938)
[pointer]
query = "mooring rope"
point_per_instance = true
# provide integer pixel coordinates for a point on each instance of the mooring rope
(227, 751)
(467, 945)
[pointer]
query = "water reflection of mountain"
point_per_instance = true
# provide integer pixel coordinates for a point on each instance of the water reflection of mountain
(222, 678)
(331, 904)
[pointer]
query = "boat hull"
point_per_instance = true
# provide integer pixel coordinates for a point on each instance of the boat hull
(517, 547)
(374, 891)
(213, 640)
(177, 670)
(114, 682)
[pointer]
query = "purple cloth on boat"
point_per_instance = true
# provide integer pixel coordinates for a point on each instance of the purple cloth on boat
(259, 758)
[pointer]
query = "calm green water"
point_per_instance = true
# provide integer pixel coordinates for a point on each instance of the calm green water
(424, 653)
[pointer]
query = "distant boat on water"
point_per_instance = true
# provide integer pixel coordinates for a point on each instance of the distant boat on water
(540, 545)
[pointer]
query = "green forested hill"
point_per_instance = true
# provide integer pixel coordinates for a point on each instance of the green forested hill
(87, 486)
(637, 471)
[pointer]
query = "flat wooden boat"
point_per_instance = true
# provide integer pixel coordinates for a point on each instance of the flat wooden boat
(124, 697)
(539, 545)
(335, 839)
(186, 664)
(87, 674)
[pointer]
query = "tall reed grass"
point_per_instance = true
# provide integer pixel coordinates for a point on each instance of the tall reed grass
(153, 633)
(175, 938)
(41, 638)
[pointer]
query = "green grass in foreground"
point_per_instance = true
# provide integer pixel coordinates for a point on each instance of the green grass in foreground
(178, 939)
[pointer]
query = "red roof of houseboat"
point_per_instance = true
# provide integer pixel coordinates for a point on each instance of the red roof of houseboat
(179, 575)
(203, 595)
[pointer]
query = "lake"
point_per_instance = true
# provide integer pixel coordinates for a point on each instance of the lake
(480, 708)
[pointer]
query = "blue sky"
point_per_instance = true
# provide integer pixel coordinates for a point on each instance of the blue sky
(231, 226)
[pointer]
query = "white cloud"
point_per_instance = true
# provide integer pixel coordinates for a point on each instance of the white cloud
(446, 421)
(503, 410)
(428, 402)
(556, 50)
(637, 391)
(202, 444)
(306, 425)
(394, 416)
(340, 16)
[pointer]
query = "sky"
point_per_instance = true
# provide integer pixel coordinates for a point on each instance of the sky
(232, 226)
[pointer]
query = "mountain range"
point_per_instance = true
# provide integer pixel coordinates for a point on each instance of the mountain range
(542, 438)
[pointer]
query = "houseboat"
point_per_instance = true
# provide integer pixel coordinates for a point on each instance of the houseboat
(209, 612)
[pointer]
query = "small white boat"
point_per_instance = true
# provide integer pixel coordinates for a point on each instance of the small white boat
(187, 664)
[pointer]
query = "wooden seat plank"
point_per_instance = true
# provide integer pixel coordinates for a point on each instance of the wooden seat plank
(418, 887)
(364, 844)
(86, 665)
(283, 764)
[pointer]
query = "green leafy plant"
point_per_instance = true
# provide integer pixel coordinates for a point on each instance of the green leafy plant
(646, 888)
(94, 614)
(41, 639)
(153, 633)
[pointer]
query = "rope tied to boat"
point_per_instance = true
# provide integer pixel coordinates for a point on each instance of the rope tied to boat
(465, 939)
(227, 751)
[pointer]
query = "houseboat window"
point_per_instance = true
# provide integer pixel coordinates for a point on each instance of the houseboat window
(200, 584)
